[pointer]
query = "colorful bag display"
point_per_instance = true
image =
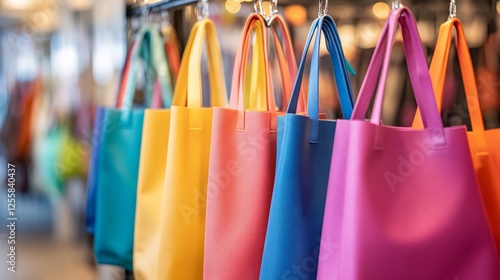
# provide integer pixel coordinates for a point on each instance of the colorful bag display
(242, 157)
(484, 144)
(303, 164)
(117, 163)
(182, 228)
(403, 203)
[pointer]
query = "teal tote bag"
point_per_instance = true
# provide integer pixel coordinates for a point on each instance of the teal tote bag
(117, 162)
(304, 152)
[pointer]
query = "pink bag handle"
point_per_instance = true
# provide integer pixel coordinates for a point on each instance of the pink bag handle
(417, 68)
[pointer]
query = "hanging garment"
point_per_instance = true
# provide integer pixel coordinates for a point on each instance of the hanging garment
(117, 157)
(484, 144)
(304, 155)
(46, 152)
(182, 227)
(403, 203)
(69, 162)
(242, 157)
(16, 134)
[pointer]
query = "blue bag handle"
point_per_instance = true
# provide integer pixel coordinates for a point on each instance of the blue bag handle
(327, 25)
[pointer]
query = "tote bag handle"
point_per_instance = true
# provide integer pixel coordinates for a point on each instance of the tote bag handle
(437, 72)
(188, 89)
(287, 68)
(286, 60)
(417, 68)
(255, 93)
(237, 99)
(326, 25)
(149, 46)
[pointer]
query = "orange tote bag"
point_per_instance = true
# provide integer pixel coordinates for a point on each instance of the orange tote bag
(484, 144)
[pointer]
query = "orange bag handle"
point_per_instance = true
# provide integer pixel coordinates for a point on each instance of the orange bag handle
(286, 64)
(172, 50)
(437, 72)
(289, 63)
(287, 67)
(122, 87)
(237, 98)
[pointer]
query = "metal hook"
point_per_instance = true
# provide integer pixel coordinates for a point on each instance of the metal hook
(202, 9)
(323, 10)
(267, 9)
(396, 4)
(453, 9)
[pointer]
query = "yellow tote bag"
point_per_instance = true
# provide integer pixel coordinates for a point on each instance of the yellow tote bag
(150, 187)
(182, 228)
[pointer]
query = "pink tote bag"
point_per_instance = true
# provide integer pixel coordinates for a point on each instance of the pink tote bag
(403, 203)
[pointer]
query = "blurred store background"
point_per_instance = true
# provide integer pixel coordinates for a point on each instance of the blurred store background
(60, 59)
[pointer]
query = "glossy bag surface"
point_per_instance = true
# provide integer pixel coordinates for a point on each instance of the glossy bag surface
(403, 203)
(117, 160)
(182, 227)
(303, 164)
(242, 158)
(484, 144)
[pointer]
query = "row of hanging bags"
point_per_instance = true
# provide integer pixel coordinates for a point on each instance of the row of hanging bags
(117, 145)
(182, 225)
(484, 144)
(242, 156)
(304, 146)
(403, 203)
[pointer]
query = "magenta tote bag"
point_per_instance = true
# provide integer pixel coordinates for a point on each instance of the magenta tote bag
(403, 203)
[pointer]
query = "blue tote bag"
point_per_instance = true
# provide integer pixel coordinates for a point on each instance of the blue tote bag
(115, 162)
(304, 153)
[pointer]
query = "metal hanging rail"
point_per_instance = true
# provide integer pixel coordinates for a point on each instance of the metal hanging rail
(164, 5)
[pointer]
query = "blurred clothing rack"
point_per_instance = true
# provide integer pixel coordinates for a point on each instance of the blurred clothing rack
(164, 5)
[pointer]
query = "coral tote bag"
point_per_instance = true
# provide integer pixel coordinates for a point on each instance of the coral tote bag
(242, 160)
(117, 162)
(484, 144)
(403, 203)
(182, 228)
(304, 155)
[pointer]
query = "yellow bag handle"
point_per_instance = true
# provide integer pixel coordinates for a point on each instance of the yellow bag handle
(257, 99)
(188, 90)
(287, 68)
(437, 72)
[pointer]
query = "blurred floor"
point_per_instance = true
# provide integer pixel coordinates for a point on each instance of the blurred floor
(51, 243)
(46, 259)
